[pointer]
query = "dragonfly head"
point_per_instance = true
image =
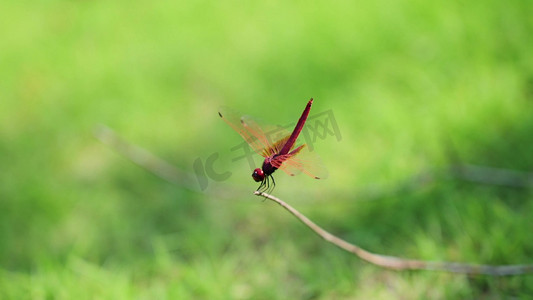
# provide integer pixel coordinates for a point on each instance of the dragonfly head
(258, 175)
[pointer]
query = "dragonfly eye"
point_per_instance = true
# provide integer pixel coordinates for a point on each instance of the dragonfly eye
(258, 175)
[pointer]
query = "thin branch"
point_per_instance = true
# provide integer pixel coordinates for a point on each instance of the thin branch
(142, 157)
(168, 172)
(493, 176)
(398, 263)
(154, 164)
(484, 174)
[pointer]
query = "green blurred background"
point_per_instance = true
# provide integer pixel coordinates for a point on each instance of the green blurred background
(413, 86)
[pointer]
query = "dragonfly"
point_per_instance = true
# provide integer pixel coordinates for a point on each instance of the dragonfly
(279, 153)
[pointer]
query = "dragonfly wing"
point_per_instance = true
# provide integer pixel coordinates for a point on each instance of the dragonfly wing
(234, 120)
(277, 146)
(258, 136)
(301, 160)
(271, 136)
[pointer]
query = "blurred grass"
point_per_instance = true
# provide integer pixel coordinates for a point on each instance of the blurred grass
(408, 82)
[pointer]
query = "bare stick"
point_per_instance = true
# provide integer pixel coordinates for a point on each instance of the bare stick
(166, 171)
(493, 176)
(398, 263)
(156, 165)
(143, 158)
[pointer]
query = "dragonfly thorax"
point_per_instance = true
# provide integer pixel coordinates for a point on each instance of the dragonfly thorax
(258, 175)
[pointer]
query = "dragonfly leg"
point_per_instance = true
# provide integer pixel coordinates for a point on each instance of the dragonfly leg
(267, 180)
(261, 186)
(266, 185)
(273, 184)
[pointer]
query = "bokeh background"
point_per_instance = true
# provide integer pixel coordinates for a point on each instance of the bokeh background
(415, 87)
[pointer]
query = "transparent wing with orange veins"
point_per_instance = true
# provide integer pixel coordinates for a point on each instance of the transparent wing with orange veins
(259, 137)
(301, 160)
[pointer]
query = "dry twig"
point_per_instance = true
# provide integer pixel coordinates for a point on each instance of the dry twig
(398, 263)
(142, 157)
(166, 171)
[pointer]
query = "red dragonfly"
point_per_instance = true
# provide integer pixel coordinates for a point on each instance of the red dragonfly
(280, 154)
